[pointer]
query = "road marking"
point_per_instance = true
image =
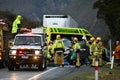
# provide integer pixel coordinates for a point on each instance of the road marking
(36, 76)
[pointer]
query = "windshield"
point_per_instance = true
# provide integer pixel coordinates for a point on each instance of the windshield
(67, 42)
(66, 36)
(28, 40)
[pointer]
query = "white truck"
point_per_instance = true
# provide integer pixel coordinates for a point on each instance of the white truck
(59, 21)
(28, 50)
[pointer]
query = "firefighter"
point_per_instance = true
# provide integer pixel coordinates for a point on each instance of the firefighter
(100, 50)
(117, 52)
(11, 42)
(49, 54)
(76, 49)
(58, 49)
(86, 53)
(92, 40)
(16, 25)
(94, 52)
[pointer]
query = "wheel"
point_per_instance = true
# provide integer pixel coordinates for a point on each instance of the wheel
(42, 66)
(10, 66)
(17, 66)
(45, 64)
(2, 65)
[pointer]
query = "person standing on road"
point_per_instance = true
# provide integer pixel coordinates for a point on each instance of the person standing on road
(117, 52)
(49, 54)
(76, 49)
(58, 49)
(94, 52)
(100, 50)
(92, 40)
(16, 25)
(85, 45)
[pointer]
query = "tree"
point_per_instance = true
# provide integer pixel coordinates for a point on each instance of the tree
(109, 10)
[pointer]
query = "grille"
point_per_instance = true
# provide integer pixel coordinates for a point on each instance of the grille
(25, 51)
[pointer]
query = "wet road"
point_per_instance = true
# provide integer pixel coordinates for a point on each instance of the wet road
(51, 73)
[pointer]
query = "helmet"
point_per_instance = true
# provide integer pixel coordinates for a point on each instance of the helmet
(84, 38)
(98, 38)
(50, 42)
(19, 16)
(49, 47)
(75, 39)
(58, 37)
(117, 42)
(92, 38)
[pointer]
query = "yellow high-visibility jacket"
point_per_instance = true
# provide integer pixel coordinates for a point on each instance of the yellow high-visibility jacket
(15, 25)
(58, 46)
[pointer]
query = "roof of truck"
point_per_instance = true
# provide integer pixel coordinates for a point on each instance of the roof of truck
(28, 34)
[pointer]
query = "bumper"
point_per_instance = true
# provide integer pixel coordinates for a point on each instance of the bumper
(26, 59)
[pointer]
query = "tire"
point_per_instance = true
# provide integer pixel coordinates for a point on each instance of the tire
(10, 66)
(42, 66)
(17, 66)
(45, 61)
(2, 65)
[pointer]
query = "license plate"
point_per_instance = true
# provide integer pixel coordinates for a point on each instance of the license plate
(24, 57)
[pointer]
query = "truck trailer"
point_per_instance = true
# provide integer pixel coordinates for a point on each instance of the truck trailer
(59, 21)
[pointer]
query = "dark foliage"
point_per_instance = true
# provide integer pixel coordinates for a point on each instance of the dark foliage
(109, 10)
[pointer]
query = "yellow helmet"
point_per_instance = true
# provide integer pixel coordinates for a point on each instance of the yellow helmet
(75, 39)
(58, 37)
(49, 47)
(98, 38)
(92, 38)
(19, 17)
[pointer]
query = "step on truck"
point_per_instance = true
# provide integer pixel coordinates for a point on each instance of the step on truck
(27, 50)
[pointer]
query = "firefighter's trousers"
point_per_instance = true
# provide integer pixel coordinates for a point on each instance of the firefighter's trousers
(94, 58)
(59, 58)
(77, 60)
(100, 59)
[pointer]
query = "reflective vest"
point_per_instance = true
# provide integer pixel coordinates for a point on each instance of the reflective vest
(76, 46)
(58, 46)
(49, 54)
(11, 44)
(94, 48)
(100, 47)
(15, 25)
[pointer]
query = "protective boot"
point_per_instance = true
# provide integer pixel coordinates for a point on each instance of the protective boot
(93, 62)
(100, 62)
(62, 59)
(56, 59)
(78, 62)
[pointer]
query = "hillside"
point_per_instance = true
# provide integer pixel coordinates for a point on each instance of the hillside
(81, 10)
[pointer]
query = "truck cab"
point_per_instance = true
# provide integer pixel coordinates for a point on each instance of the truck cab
(27, 50)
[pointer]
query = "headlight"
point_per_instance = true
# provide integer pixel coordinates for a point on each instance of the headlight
(13, 52)
(37, 52)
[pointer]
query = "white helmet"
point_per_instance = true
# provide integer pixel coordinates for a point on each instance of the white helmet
(84, 38)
